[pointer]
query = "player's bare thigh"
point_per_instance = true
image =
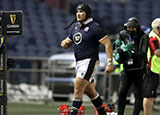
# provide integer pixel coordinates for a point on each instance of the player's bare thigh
(79, 87)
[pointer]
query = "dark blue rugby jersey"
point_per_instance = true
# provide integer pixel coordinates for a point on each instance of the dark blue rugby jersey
(86, 39)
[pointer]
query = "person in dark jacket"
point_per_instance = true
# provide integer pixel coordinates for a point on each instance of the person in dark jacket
(131, 51)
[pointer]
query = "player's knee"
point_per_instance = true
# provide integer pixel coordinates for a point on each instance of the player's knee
(77, 91)
(91, 94)
(80, 86)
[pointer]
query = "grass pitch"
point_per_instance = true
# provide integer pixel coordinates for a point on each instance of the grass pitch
(52, 109)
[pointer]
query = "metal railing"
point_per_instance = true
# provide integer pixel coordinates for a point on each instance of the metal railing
(39, 71)
(106, 85)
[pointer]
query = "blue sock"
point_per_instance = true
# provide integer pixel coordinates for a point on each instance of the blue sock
(76, 104)
(97, 102)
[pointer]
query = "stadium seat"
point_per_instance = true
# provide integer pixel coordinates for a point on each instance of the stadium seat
(46, 24)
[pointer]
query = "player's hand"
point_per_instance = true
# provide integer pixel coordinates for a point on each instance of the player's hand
(66, 44)
(109, 69)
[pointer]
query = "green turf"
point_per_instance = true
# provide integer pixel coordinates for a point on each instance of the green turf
(51, 109)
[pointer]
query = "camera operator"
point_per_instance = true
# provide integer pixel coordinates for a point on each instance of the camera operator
(131, 51)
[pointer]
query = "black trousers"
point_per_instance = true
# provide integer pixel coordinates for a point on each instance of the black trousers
(127, 79)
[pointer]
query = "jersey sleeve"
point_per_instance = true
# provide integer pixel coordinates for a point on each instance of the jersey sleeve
(70, 36)
(100, 33)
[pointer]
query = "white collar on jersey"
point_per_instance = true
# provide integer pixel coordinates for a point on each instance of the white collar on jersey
(88, 21)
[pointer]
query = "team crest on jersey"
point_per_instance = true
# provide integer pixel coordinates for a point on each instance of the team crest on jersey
(77, 38)
(86, 29)
(76, 28)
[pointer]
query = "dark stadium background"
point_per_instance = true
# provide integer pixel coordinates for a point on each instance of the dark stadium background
(43, 31)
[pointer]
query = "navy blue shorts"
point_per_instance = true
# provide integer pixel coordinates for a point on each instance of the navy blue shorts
(151, 83)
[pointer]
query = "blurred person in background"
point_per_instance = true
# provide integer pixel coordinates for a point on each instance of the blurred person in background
(151, 81)
(131, 51)
(86, 35)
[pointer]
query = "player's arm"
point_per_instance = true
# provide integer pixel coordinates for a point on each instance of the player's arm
(66, 43)
(109, 51)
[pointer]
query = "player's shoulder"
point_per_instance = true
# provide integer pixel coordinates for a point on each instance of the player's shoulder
(95, 24)
(96, 27)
